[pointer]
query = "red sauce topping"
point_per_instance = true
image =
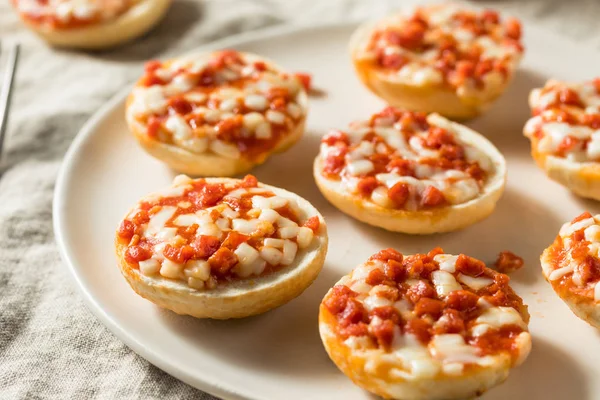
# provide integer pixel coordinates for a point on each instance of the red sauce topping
(576, 250)
(559, 102)
(227, 69)
(386, 159)
(400, 43)
(46, 14)
(431, 314)
(188, 244)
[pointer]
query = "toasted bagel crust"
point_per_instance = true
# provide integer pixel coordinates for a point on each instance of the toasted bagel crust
(136, 21)
(440, 219)
(582, 178)
(240, 298)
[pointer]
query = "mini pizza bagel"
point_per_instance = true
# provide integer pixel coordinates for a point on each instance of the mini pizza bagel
(572, 266)
(439, 58)
(90, 24)
(410, 172)
(216, 114)
(565, 134)
(424, 327)
(220, 247)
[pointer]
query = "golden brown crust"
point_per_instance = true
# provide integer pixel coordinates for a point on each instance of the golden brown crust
(237, 299)
(442, 219)
(582, 179)
(426, 98)
(136, 21)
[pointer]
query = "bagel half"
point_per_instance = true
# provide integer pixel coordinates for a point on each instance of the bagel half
(405, 75)
(443, 218)
(412, 344)
(566, 112)
(240, 291)
(243, 100)
(138, 19)
(582, 178)
(571, 266)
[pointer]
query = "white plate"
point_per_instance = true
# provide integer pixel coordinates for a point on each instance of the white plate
(279, 354)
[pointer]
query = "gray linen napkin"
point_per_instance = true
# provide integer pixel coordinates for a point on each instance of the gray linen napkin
(51, 347)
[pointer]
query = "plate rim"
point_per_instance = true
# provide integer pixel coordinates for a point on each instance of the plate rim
(225, 391)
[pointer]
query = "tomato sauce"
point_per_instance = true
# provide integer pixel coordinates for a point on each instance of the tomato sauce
(432, 313)
(207, 81)
(456, 62)
(452, 156)
(218, 251)
(46, 15)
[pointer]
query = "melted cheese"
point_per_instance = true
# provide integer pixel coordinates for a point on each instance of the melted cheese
(592, 233)
(491, 48)
(246, 226)
(407, 358)
(457, 186)
(251, 260)
(360, 287)
(271, 255)
(304, 237)
(359, 167)
(559, 130)
(357, 342)
(166, 234)
(532, 125)
(289, 252)
(198, 269)
(374, 301)
(554, 132)
(170, 269)
(254, 268)
(593, 146)
(560, 272)
(158, 220)
(419, 75)
(180, 129)
(181, 77)
(149, 267)
(444, 283)
(451, 348)
(461, 191)
(413, 357)
(568, 229)
(380, 197)
(362, 271)
(475, 283)
(447, 262)
(498, 317)
(186, 220)
(273, 202)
